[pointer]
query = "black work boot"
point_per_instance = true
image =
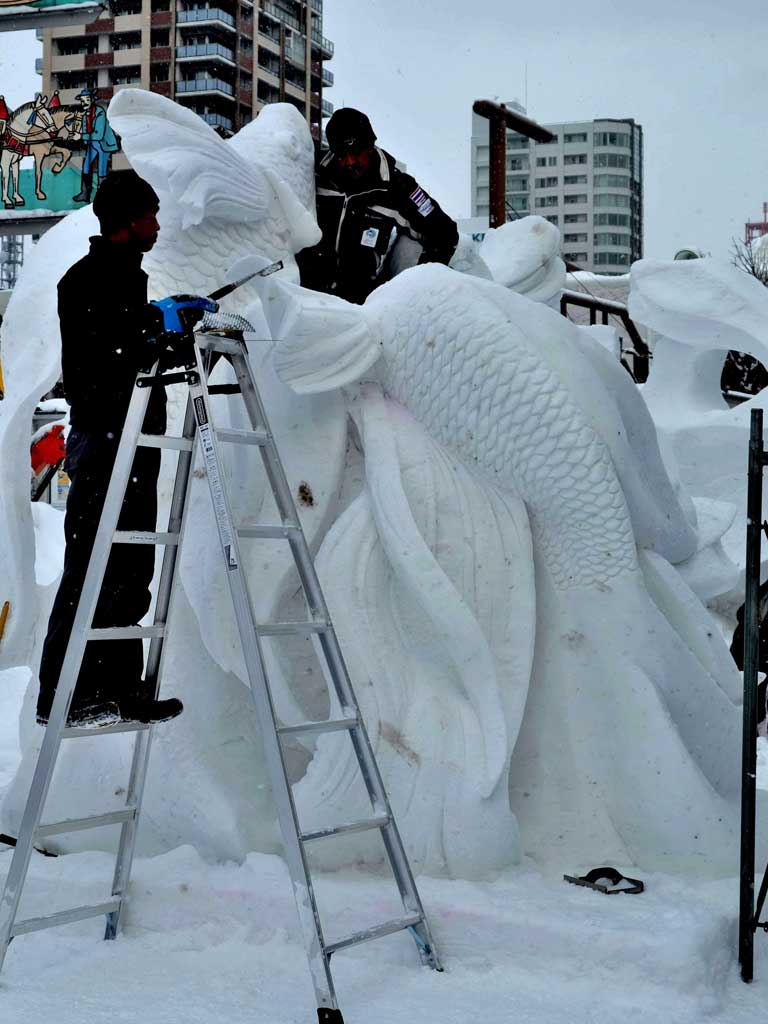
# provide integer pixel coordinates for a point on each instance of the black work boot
(90, 712)
(145, 710)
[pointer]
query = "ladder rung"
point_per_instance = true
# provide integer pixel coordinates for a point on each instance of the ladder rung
(35, 924)
(291, 628)
(127, 632)
(181, 444)
(364, 825)
(143, 537)
(73, 732)
(259, 437)
(398, 925)
(279, 531)
(332, 725)
(95, 821)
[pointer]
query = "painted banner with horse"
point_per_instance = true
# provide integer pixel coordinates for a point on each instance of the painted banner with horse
(51, 133)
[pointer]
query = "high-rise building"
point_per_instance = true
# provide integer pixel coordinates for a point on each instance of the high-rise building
(588, 181)
(224, 59)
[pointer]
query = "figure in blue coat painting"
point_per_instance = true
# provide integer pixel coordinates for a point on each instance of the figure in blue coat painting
(100, 143)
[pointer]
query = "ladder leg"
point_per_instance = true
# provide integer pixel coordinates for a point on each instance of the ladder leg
(163, 610)
(46, 761)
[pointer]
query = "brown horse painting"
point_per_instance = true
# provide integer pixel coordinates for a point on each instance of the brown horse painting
(33, 130)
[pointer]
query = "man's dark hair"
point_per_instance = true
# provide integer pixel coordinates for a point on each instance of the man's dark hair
(122, 198)
(349, 129)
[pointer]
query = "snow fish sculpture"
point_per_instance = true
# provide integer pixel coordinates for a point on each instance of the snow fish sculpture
(498, 557)
(611, 748)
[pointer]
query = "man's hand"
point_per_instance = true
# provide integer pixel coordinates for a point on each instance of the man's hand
(181, 312)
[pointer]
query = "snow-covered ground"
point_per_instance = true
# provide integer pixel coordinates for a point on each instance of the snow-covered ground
(210, 943)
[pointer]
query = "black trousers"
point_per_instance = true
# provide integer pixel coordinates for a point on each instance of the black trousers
(110, 668)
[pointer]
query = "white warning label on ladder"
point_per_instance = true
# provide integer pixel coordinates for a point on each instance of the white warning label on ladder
(217, 490)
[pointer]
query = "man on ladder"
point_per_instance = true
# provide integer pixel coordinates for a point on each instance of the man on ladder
(108, 333)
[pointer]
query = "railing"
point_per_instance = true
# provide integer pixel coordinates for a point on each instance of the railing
(218, 120)
(205, 50)
(281, 15)
(327, 77)
(326, 107)
(204, 85)
(205, 14)
(324, 43)
(637, 357)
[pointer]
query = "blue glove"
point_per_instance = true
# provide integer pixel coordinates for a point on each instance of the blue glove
(181, 312)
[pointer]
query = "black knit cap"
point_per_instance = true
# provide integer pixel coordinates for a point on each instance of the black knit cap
(349, 129)
(121, 198)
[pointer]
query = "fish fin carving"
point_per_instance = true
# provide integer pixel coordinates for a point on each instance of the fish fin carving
(183, 158)
(436, 628)
(322, 342)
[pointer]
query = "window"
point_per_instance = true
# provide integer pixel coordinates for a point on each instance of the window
(575, 137)
(611, 181)
(546, 201)
(546, 183)
(541, 161)
(575, 257)
(575, 158)
(575, 179)
(611, 238)
(553, 218)
(482, 151)
(552, 142)
(620, 220)
(518, 185)
(609, 199)
(517, 163)
(611, 160)
(517, 142)
(551, 161)
(519, 202)
(577, 198)
(612, 139)
(613, 259)
(575, 218)
(580, 237)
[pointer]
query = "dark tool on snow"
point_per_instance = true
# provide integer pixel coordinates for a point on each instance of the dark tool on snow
(10, 841)
(593, 878)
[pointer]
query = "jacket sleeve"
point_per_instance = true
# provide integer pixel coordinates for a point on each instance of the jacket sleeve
(427, 222)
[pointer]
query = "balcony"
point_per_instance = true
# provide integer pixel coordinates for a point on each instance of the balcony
(280, 15)
(39, 65)
(327, 77)
(326, 107)
(325, 44)
(200, 85)
(205, 14)
(218, 120)
(197, 50)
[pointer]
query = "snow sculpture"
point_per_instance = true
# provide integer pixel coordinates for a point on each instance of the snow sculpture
(497, 547)
(698, 310)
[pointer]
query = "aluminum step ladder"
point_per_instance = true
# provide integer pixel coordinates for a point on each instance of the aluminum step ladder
(198, 426)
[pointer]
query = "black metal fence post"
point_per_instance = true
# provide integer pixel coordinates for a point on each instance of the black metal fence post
(749, 734)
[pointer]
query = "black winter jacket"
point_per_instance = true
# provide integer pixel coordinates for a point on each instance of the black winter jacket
(358, 221)
(107, 335)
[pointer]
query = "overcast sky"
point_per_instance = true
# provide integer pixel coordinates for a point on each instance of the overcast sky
(694, 73)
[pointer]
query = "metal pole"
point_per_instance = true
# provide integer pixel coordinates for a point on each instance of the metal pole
(749, 734)
(497, 184)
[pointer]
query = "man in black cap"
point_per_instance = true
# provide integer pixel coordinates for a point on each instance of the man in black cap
(363, 203)
(108, 333)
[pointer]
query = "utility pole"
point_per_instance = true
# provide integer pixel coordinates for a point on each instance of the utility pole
(501, 118)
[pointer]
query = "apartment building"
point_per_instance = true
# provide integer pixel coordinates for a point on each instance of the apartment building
(588, 181)
(224, 59)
